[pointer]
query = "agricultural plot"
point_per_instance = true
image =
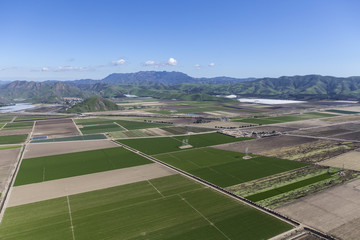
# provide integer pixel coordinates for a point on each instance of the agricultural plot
(101, 128)
(54, 148)
(172, 144)
(9, 156)
(186, 130)
(4, 119)
(13, 139)
(165, 208)
(31, 118)
(334, 210)
(76, 138)
(313, 151)
(93, 121)
(47, 168)
(132, 134)
(18, 125)
(342, 111)
(288, 118)
(131, 125)
(225, 168)
(349, 160)
(266, 144)
(55, 128)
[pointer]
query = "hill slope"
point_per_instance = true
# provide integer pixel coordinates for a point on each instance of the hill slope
(94, 104)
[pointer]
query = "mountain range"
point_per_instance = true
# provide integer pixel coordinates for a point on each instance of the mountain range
(169, 85)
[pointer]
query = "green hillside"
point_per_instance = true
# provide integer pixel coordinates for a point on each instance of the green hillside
(94, 104)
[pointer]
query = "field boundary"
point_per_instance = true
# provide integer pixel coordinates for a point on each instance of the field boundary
(77, 128)
(71, 222)
(230, 194)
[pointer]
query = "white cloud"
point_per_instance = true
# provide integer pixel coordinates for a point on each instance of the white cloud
(70, 68)
(45, 69)
(172, 62)
(197, 66)
(211, 64)
(119, 62)
(150, 63)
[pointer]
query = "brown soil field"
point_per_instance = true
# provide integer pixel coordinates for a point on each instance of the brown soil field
(350, 136)
(312, 152)
(349, 160)
(68, 186)
(55, 128)
(328, 131)
(335, 210)
(270, 128)
(15, 132)
(54, 148)
(8, 161)
(303, 124)
(343, 118)
(265, 144)
(223, 124)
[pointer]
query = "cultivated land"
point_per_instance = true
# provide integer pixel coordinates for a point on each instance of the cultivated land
(76, 138)
(15, 132)
(18, 125)
(225, 168)
(265, 144)
(36, 192)
(165, 208)
(170, 144)
(47, 168)
(349, 160)
(101, 128)
(53, 148)
(334, 210)
(8, 159)
(13, 139)
(55, 128)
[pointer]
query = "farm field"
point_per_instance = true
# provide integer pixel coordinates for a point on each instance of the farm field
(349, 160)
(8, 158)
(133, 134)
(4, 119)
(15, 131)
(93, 121)
(266, 144)
(34, 150)
(170, 144)
(225, 168)
(31, 118)
(76, 138)
(47, 168)
(13, 139)
(132, 125)
(165, 208)
(55, 128)
(333, 210)
(288, 118)
(341, 111)
(101, 128)
(185, 129)
(18, 125)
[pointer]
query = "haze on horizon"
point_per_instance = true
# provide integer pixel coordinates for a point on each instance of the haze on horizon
(66, 40)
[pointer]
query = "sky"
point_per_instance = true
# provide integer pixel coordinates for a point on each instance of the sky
(67, 40)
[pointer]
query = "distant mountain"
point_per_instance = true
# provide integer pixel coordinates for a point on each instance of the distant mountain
(94, 104)
(44, 92)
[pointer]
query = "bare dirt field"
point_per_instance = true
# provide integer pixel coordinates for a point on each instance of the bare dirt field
(270, 128)
(8, 160)
(15, 132)
(337, 130)
(63, 187)
(349, 160)
(265, 144)
(55, 128)
(350, 136)
(223, 124)
(304, 124)
(54, 148)
(335, 210)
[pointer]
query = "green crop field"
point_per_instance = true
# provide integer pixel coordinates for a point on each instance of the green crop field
(12, 139)
(10, 147)
(4, 119)
(131, 125)
(289, 118)
(47, 168)
(102, 128)
(28, 118)
(19, 125)
(226, 168)
(76, 138)
(93, 121)
(171, 207)
(184, 130)
(171, 144)
(287, 188)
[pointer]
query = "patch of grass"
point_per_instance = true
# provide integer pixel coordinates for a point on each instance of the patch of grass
(171, 144)
(19, 125)
(287, 188)
(76, 138)
(342, 111)
(47, 168)
(177, 209)
(103, 128)
(226, 168)
(10, 147)
(12, 139)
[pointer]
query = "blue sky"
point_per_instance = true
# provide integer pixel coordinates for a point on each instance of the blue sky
(90, 39)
